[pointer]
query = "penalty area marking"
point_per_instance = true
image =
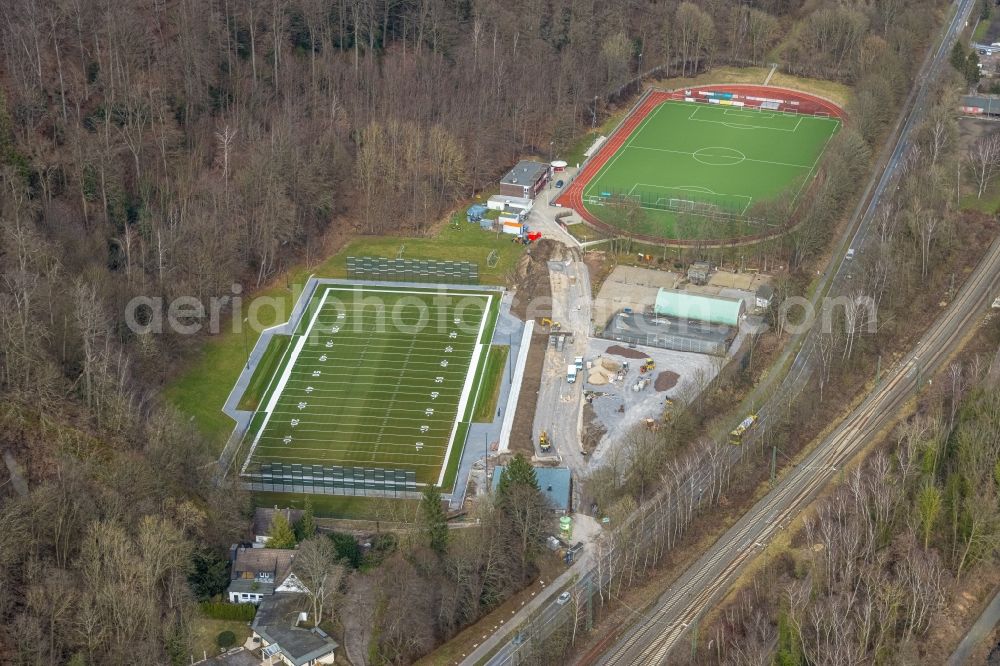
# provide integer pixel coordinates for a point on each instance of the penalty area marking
(742, 125)
(698, 189)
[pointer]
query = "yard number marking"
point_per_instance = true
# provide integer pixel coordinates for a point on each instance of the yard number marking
(303, 405)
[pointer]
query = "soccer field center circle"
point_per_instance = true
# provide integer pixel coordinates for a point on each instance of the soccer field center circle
(707, 155)
(719, 156)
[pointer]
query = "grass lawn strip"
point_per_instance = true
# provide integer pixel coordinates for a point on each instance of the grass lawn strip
(486, 403)
(263, 375)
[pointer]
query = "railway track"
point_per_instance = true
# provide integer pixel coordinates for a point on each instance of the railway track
(709, 578)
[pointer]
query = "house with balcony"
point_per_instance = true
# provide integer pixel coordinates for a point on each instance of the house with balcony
(260, 572)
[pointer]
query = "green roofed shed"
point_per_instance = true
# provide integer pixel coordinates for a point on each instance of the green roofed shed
(712, 309)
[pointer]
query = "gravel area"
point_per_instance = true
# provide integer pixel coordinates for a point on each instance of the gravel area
(618, 407)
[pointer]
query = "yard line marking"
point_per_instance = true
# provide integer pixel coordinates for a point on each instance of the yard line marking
(348, 462)
(279, 389)
(466, 389)
(364, 444)
(385, 414)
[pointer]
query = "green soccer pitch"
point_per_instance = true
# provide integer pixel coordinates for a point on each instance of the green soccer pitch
(708, 160)
(379, 378)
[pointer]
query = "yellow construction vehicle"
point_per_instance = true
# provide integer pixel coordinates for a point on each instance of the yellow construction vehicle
(737, 433)
(543, 441)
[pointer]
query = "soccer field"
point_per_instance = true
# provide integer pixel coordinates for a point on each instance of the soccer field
(709, 160)
(377, 383)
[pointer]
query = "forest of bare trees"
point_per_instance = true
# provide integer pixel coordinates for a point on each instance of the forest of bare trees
(871, 572)
(177, 147)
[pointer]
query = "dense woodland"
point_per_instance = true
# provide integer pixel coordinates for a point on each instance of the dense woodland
(176, 147)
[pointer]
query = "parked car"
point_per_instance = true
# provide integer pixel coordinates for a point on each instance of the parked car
(850, 254)
(563, 599)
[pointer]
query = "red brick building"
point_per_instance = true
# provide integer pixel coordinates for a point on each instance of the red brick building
(525, 180)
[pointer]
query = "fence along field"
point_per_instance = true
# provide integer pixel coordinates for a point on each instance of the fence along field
(706, 165)
(375, 392)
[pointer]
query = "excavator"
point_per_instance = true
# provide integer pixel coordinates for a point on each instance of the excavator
(544, 443)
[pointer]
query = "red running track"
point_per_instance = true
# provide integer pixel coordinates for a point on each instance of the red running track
(572, 196)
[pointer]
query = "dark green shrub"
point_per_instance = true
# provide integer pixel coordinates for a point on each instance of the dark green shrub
(225, 640)
(223, 611)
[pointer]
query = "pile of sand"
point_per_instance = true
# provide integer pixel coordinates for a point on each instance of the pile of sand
(597, 378)
(610, 365)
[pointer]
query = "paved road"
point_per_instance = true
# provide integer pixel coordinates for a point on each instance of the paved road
(788, 376)
(705, 582)
(651, 640)
(977, 633)
(543, 609)
(559, 403)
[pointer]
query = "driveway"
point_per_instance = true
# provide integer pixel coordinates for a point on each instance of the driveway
(559, 403)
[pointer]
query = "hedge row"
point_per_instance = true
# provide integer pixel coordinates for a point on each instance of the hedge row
(220, 610)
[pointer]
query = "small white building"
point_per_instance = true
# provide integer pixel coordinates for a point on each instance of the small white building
(764, 296)
(504, 202)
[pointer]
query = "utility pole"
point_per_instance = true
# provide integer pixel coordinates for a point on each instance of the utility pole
(774, 461)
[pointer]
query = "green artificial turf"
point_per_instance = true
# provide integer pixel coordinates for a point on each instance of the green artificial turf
(362, 373)
(686, 163)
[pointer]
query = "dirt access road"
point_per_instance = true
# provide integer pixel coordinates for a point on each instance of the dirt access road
(559, 403)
